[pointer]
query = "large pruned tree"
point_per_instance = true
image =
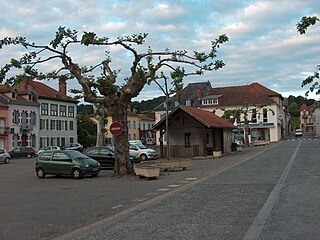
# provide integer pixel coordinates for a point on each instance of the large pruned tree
(103, 88)
(302, 27)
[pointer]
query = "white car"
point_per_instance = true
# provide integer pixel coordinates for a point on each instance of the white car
(4, 156)
(48, 148)
(144, 153)
(298, 132)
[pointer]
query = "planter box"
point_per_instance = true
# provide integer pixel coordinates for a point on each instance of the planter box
(239, 148)
(217, 154)
(175, 164)
(148, 171)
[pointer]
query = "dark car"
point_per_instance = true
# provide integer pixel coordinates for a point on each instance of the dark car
(66, 162)
(22, 152)
(105, 156)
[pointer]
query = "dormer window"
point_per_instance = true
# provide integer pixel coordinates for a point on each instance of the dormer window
(30, 96)
(13, 94)
(188, 102)
(176, 103)
(209, 101)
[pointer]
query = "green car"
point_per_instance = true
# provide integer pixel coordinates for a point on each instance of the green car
(66, 162)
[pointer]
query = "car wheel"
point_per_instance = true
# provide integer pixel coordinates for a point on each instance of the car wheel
(6, 160)
(143, 157)
(29, 155)
(41, 173)
(76, 173)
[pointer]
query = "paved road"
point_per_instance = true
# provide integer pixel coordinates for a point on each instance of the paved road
(275, 195)
(214, 198)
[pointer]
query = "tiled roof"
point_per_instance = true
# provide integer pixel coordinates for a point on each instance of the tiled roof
(265, 90)
(208, 119)
(190, 92)
(238, 95)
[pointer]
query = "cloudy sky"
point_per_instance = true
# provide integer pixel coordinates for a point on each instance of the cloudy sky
(264, 45)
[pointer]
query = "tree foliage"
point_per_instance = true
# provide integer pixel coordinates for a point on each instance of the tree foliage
(86, 131)
(146, 66)
(312, 80)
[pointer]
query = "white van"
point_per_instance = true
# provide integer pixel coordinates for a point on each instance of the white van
(144, 153)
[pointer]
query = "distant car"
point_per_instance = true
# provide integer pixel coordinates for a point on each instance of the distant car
(22, 152)
(4, 156)
(298, 132)
(73, 146)
(47, 148)
(66, 162)
(105, 156)
(144, 153)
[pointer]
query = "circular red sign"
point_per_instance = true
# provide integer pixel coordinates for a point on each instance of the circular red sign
(115, 128)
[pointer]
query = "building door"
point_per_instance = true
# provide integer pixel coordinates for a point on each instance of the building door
(24, 140)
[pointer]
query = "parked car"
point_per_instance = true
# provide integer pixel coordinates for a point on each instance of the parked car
(298, 132)
(66, 162)
(144, 153)
(22, 152)
(47, 148)
(105, 156)
(73, 146)
(4, 156)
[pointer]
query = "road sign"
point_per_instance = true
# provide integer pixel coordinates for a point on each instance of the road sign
(116, 128)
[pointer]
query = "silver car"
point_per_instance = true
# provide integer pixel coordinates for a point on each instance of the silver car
(4, 156)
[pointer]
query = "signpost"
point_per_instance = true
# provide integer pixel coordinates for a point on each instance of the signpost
(115, 128)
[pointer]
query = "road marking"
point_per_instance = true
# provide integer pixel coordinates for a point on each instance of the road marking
(191, 178)
(174, 186)
(163, 189)
(255, 230)
(139, 199)
(149, 194)
(117, 206)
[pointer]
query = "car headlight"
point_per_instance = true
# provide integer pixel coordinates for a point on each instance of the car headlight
(87, 165)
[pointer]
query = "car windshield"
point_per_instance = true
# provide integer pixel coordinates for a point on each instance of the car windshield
(77, 155)
(141, 146)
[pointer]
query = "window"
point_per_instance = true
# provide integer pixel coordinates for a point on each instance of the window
(265, 115)
(15, 116)
(53, 124)
(71, 125)
(54, 110)
(33, 140)
(187, 139)
(33, 118)
(70, 111)
(61, 157)
(59, 125)
(207, 138)
(140, 126)
(63, 141)
(134, 124)
(188, 102)
(13, 94)
(66, 125)
(45, 156)
(63, 111)
(129, 124)
(176, 103)
(42, 124)
(44, 108)
(53, 141)
(254, 116)
(30, 96)
(143, 126)
(209, 101)
(134, 136)
(71, 140)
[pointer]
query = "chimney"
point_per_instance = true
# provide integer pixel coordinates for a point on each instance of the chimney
(62, 87)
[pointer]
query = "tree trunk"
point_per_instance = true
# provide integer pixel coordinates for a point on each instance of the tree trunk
(123, 166)
(101, 136)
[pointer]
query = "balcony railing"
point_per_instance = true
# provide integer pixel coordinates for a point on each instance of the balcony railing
(4, 130)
